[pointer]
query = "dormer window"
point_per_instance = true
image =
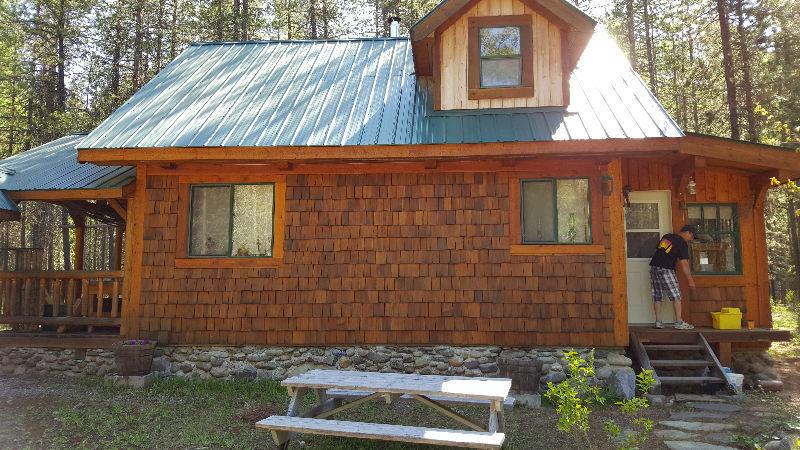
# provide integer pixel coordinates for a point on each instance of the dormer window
(500, 57)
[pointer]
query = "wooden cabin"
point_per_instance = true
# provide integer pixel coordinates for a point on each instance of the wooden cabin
(500, 177)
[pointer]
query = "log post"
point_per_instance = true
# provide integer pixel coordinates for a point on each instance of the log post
(118, 235)
(80, 239)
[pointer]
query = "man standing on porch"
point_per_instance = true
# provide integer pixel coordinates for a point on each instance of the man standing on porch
(672, 251)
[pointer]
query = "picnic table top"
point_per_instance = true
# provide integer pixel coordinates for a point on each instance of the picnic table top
(399, 383)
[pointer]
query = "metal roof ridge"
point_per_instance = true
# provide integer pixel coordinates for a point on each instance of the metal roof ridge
(298, 41)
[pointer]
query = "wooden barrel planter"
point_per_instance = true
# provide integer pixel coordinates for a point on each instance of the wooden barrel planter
(134, 357)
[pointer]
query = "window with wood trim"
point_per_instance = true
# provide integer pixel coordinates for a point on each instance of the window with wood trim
(500, 61)
(715, 251)
(555, 210)
(231, 220)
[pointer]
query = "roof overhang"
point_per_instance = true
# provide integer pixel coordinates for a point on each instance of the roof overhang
(8, 209)
(748, 155)
(55, 195)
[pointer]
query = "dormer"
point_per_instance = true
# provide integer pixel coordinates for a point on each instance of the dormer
(500, 53)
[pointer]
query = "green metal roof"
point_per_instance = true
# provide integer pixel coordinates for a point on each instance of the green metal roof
(359, 92)
(55, 166)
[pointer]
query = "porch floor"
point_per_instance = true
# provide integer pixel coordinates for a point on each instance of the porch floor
(667, 334)
(52, 339)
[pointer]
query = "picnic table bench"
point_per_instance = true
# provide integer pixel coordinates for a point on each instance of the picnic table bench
(332, 387)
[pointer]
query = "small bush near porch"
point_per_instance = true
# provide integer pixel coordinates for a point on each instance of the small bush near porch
(41, 412)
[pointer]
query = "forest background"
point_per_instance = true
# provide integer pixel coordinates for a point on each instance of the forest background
(723, 67)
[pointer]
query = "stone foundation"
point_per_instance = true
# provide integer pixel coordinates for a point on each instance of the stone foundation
(529, 368)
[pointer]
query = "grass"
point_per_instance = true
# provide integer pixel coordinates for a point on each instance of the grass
(176, 413)
(783, 318)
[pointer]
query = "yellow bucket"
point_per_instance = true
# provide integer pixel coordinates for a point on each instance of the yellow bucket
(727, 319)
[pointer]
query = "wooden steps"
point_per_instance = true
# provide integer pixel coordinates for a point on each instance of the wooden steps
(673, 347)
(681, 359)
(690, 380)
(402, 433)
(679, 363)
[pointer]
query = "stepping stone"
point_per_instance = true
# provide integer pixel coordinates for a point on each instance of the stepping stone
(675, 435)
(722, 438)
(714, 407)
(707, 427)
(693, 445)
(699, 415)
(682, 398)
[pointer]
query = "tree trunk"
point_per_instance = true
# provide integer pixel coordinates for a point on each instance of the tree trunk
(245, 20)
(312, 19)
(61, 89)
(220, 32)
(727, 66)
(137, 44)
(794, 239)
(173, 31)
(237, 10)
(631, 32)
(651, 57)
(747, 82)
(159, 36)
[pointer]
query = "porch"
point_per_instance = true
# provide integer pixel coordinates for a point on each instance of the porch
(61, 251)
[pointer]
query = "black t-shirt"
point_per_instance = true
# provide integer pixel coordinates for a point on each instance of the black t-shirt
(670, 249)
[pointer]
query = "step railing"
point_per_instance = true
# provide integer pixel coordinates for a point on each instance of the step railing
(64, 298)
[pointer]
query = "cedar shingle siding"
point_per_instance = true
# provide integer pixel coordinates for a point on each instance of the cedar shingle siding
(381, 258)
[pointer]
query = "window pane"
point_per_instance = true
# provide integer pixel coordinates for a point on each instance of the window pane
(641, 216)
(573, 210)
(726, 219)
(642, 244)
(714, 254)
(252, 220)
(211, 210)
(501, 72)
(501, 41)
(537, 211)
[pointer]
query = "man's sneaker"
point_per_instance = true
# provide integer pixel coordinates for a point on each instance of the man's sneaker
(659, 324)
(683, 326)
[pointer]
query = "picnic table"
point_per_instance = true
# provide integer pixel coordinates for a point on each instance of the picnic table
(333, 387)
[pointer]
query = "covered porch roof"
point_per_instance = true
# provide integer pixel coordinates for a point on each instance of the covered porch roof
(52, 173)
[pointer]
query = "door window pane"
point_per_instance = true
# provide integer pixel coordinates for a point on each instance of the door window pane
(642, 216)
(210, 220)
(252, 220)
(641, 244)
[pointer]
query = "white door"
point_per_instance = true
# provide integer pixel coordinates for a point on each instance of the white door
(646, 219)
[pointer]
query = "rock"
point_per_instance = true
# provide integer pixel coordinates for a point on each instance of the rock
(471, 364)
(692, 445)
(160, 364)
(787, 443)
(623, 383)
(489, 368)
(378, 357)
(658, 400)
(771, 385)
(218, 372)
(455, 362)
(555, 377)
(603, 372)
(615, 359)
(19, 370)
(722, 438)
(683, 398)
(528, 400)
(344, 362)
(256, 357)
(697, 415)
(714, 407)
(246, 372)
(675, 435)
(706, 427)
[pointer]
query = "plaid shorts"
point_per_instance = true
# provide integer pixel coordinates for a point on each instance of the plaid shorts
(665, 284)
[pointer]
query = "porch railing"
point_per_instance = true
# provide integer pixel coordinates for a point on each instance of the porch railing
(76, 298)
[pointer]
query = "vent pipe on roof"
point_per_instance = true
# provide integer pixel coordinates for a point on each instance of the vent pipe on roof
(394, 26)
